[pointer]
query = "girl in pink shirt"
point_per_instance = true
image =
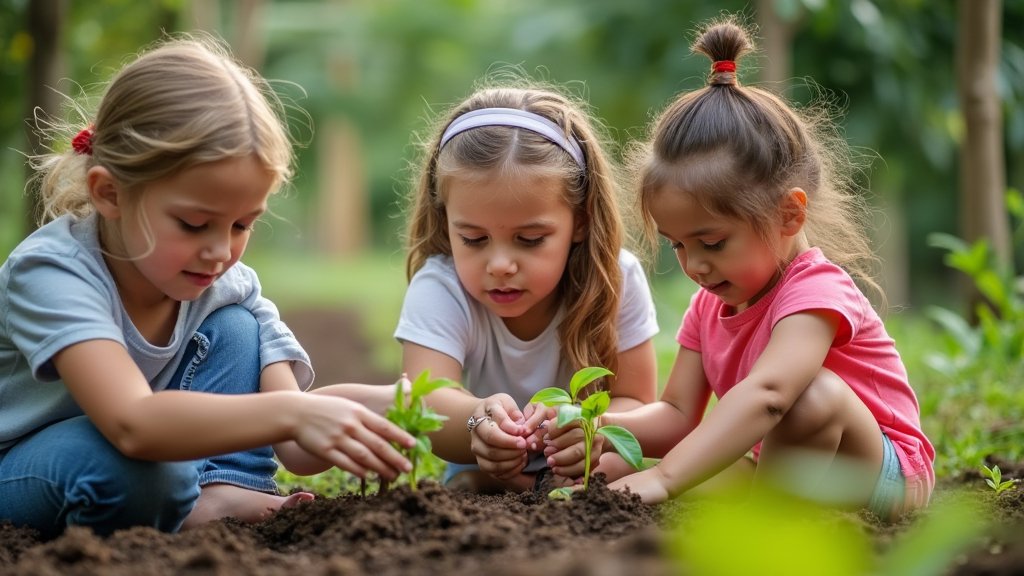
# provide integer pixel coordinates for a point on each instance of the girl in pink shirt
(754, 200)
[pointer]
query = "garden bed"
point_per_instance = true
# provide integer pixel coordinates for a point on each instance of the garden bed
(438, 531)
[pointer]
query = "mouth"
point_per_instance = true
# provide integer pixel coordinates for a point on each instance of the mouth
(201, 279)
(714, 287)
(504, 295)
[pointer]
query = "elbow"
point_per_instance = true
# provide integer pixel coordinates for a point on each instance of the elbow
(128, 438)
(772, 403)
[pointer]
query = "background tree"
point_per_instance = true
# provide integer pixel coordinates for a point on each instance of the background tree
(982, 164)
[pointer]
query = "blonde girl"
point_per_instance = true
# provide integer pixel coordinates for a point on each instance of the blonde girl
(751, 197)
(518, 278)
(133, 341)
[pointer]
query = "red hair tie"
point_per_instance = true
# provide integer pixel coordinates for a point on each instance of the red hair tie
(82, 142)
(724, 66)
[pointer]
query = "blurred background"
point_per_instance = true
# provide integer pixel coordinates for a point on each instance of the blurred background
(930, 93)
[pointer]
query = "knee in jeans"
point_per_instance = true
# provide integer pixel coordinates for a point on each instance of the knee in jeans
(234, 321)
(158, 485)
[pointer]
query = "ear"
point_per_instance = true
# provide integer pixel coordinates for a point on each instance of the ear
(104, 191)
(794, 211)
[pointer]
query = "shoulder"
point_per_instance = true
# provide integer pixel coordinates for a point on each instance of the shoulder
(438, 270)
(814, 274)
(634, 277)
(61, 252)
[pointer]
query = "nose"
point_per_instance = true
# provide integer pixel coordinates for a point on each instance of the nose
(501, 263)
(693, 264)
(217, 248)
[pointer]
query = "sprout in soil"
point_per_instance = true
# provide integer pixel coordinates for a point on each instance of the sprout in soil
(412, 414)
(588, 412)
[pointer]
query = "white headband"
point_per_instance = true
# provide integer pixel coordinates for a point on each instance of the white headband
(518, 119)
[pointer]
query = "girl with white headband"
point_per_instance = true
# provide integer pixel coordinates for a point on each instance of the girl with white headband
(518, 278)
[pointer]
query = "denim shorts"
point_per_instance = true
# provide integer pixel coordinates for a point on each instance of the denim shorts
(890, 489)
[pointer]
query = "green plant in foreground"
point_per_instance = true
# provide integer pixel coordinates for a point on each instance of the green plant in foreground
(994, 479)
(412, 414)
(587, 412)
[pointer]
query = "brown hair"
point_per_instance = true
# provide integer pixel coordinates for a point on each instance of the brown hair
(184, 101)
(738, 149)
(592, 279)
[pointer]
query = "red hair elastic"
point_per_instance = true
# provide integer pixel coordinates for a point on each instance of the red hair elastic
(82, 142)
(724, 66)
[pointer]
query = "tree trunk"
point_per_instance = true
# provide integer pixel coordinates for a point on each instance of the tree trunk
(45, 22)
(776, 39)
(983, 170)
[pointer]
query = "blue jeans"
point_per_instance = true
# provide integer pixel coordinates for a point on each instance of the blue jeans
(69, 474)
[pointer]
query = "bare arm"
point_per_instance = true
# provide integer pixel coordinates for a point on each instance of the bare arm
(177, 425)
(746, 413)
(636, 380)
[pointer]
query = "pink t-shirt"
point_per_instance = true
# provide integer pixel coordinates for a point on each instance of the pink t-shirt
(862, 354)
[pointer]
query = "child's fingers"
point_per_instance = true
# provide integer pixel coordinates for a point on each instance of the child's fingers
(388, 430)
(375, 453)
(503, 468)
(503, 411)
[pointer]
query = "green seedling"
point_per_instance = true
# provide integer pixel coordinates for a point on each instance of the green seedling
(588, 412)
(994, 479)
(412, 414)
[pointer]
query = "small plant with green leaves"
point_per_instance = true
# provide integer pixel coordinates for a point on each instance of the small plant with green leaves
(587, 412)
(411, 413)
(994, 479)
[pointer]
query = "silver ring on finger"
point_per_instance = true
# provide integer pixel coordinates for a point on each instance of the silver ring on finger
(475, 421)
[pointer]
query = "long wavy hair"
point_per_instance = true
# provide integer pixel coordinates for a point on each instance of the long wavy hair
(590, 284)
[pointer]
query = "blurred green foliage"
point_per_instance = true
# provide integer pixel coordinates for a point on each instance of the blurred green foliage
(387, 66)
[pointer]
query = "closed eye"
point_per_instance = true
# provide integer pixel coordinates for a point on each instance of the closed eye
(531, 242)
(473, 242)
(190, 227)
(716, 247)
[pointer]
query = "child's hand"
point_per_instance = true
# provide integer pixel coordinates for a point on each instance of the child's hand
(535, 425)
(352, 437)
(649, 484)
(566, 449)
(497, 441)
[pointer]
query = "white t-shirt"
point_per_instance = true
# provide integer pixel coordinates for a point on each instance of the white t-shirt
(438, 314)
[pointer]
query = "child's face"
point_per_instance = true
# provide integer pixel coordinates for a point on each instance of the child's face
(198, 224)
(724, 256)
(510, 238)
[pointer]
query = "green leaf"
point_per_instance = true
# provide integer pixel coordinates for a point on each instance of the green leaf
(568, 413)
(551, 397)
(420, 388)
(585, 376)
(625, 444)
(596, 404)
(564, 493)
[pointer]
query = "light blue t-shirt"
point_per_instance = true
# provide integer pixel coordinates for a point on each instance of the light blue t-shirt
(56, 290)
(438, 314)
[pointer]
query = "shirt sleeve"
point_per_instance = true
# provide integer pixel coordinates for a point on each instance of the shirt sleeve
(822, 286)
(637, 319)
(55, 302)
(436, 312)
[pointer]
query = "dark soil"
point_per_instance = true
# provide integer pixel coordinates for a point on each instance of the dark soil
(436, 531)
